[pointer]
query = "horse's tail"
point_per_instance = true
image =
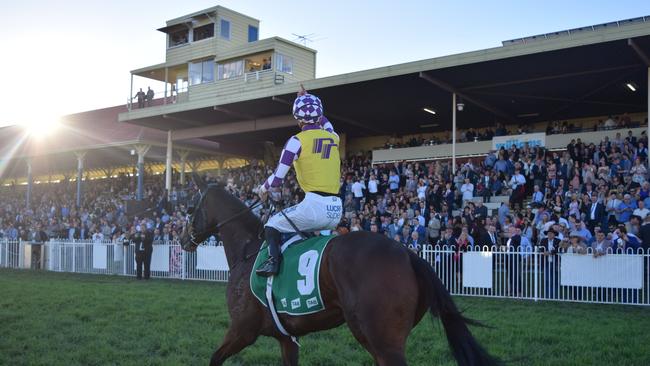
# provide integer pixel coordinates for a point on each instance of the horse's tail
(464, 346)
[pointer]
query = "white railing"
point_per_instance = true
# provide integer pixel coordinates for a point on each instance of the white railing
(616, 277)
(11, 253)
(613, 278)
(168, 260)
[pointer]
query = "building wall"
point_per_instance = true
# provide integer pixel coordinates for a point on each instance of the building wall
(238, 29)
(304, 61)
(216, 45)
(192, 51)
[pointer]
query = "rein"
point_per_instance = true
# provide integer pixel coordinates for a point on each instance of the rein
(215, 228)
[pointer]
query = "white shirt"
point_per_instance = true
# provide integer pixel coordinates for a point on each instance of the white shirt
(422, 190)
(641, 212)
(98, 237)
(357, 189)
(372, 186)
(516, 181)
(468, 191)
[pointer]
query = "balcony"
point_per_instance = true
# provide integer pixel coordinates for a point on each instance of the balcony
(188, 97)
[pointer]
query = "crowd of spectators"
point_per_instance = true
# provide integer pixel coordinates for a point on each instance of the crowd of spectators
(593, 194)
(101, 217)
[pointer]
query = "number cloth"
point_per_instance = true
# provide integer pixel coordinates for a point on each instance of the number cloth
(296, 287)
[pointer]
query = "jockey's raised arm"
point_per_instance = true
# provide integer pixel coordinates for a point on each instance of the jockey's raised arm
(314, 154)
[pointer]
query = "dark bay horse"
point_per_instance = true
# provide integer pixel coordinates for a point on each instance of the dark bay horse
(375, 285)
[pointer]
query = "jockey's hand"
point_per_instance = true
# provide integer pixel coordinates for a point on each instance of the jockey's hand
(302, 90)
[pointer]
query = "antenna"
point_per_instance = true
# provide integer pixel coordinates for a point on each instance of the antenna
(304, 38)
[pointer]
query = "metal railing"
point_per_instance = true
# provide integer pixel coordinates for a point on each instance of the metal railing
(169, 260)
(613, 278)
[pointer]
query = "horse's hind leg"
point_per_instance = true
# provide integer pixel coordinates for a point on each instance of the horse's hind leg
(290, 352)
(232, 343)
(385, 345)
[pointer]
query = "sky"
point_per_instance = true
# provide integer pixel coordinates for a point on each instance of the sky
(62, 57)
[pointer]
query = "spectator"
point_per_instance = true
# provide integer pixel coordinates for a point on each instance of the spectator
(601, 245)
(140, 96)
(149, 96)
(467, 190)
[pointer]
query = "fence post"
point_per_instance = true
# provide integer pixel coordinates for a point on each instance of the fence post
(124, 251)
(183, 276)
(74, 258)
(536, 273)
(21, 254)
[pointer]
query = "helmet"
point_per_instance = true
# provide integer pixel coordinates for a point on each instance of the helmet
(307, 108)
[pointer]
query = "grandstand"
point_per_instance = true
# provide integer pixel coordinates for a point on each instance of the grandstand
(225, 106)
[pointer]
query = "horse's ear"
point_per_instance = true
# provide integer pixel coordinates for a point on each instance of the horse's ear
(199, 182)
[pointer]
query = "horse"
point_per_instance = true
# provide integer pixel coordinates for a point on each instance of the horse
(377, 286)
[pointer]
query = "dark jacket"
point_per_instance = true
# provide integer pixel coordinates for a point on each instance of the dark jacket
(644, 235)
(599, 214)
(485, 239)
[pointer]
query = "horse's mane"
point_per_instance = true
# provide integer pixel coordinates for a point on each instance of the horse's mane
(235, 205)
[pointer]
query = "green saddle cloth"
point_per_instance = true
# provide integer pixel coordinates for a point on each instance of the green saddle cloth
(296, 288)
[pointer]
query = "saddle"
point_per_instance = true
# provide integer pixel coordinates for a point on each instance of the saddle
(295, 289)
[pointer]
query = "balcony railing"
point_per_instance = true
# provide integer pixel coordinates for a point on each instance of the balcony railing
(246, 81)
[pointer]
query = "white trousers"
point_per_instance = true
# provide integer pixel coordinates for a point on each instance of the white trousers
(314, 213)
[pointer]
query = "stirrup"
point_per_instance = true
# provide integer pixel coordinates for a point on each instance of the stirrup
(269, 268)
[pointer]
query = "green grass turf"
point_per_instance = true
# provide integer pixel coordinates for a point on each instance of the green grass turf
(64, 319)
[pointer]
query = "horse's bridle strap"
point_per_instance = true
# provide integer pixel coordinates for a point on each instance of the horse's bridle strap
(217, 226)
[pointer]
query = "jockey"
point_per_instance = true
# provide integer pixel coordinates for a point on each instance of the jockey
(314, 154)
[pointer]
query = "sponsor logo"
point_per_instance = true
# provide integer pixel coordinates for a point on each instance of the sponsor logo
(311, 302)
(283, 301)
(323, 146)
(295, 304)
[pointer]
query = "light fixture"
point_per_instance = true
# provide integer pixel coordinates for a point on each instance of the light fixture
(429, 110)
(631, 86)
(460, 105)
(528, 115)
(429, 125)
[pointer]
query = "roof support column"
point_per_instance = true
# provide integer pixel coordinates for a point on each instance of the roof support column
(648, 115)
(168, 164)
(129, 102)
(166, 82)
(30, 182)
(81, 156)
(453, 133)
(183, 155)
(142, 151)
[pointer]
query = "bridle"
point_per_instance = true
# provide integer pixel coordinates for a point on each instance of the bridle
(194, 237)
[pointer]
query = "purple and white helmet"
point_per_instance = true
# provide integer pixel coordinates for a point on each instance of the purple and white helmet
(308, 108)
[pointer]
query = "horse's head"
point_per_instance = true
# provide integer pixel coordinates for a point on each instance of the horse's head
(210, 208)
(199, 220)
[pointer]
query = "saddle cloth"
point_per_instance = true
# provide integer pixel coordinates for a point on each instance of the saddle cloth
(296, 287)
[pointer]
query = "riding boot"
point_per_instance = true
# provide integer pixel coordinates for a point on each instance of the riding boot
(270, 266)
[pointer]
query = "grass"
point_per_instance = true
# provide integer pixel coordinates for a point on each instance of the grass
(65, 319)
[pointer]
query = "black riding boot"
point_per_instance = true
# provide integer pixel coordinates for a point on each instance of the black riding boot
(271, 266)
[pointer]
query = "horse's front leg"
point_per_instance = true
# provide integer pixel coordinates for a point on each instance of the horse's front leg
(290, 352)
(233, 342)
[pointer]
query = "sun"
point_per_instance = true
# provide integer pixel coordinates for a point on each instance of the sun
(40, 125)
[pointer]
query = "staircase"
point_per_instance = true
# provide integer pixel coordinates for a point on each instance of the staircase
(492, 206)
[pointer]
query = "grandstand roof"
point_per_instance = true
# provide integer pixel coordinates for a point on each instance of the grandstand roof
(107, 142)
(559, 75)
